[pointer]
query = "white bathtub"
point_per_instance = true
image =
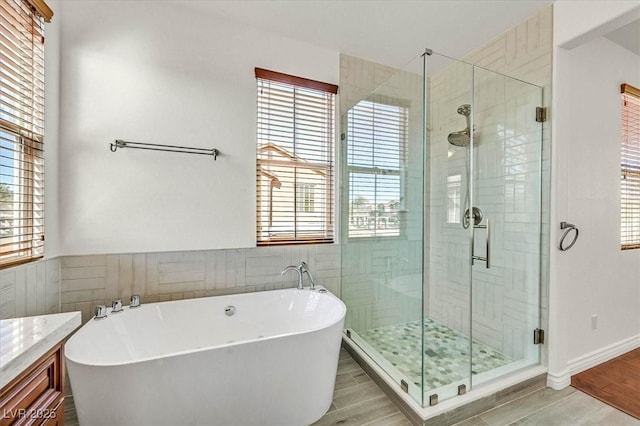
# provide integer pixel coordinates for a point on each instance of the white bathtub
(185, 362)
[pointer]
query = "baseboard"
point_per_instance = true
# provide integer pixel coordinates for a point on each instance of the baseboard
(558, 381)
(562, 379)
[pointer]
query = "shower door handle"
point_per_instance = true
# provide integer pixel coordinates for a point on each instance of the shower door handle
(487, 259)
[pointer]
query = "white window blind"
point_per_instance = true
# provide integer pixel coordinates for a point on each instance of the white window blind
(21, 132)
(630, 176)
(376, 146)
(295, 150)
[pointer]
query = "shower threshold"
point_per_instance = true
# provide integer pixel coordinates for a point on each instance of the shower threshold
(492, 373)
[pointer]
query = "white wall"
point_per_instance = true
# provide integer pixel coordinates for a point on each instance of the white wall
(163, 73)
(577, 21)
(595, 277)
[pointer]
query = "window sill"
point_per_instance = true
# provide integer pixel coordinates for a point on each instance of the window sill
(20, 262)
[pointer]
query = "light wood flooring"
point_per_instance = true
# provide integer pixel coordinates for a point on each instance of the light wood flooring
(358, 401)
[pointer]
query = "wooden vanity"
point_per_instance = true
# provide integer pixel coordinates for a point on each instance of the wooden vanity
(32, 369)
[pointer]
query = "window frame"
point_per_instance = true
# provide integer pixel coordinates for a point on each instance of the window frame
(629, 92)
(400, 172)
(22, 130)
(325, 209)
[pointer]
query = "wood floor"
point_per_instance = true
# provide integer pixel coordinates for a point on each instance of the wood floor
(616, 382)
(357, 401)
(547, 407)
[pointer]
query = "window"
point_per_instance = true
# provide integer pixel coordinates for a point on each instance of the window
(454, 184)
(21, 131)
(295, 142)
(306, 198)
(376, 137)
(630, 176)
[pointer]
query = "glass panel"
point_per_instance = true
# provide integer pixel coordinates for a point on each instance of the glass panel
(382, 213)
(420, 199)
(447, 343)
(507, 148)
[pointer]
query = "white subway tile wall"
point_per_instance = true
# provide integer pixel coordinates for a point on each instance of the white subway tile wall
(88, 281)
(30, 289)
(508, 188)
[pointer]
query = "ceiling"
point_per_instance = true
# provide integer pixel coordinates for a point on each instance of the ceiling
(384, 31)
(627, 36)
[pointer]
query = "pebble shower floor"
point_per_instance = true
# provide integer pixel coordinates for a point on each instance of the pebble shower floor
(446, 352)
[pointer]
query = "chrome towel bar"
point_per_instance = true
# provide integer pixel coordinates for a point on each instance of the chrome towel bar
(119, 143)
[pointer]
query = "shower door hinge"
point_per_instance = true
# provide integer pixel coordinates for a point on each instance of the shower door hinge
(404, 386)
(433, 399)
(348, 333)
(541, 114)
(538, 336)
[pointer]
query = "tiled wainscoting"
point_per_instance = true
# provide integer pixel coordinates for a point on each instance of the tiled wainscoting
(30, 289)
(79, 283)
(87, 281)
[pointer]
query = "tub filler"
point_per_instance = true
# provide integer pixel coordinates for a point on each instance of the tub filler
(265, 358)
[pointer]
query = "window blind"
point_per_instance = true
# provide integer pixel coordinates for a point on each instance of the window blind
(630, 176)
(376, 146)
(21, 132)
(295, 143)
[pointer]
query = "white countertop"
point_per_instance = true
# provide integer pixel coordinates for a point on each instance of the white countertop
(24, 340)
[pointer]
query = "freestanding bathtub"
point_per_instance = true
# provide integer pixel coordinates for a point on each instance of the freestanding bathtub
(273, 362)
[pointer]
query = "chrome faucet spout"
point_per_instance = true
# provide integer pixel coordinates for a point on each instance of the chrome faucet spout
(304, 268)
(298, 269)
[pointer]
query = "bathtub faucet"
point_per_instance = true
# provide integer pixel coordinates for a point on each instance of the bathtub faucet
(305, 269)
(298, 269)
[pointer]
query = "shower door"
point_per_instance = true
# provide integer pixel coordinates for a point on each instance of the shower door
(482, 227)
(506, 242)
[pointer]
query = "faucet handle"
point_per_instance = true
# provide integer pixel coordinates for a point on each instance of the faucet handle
(117, 306)
(101, 312)
(135, 301)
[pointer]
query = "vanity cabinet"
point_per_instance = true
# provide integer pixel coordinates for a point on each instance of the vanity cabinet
(35, 396)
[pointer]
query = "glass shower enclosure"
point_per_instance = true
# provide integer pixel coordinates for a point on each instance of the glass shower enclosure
(441, 225)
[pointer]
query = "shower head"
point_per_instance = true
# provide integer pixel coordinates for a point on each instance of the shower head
(460, 138)
(463, 137)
